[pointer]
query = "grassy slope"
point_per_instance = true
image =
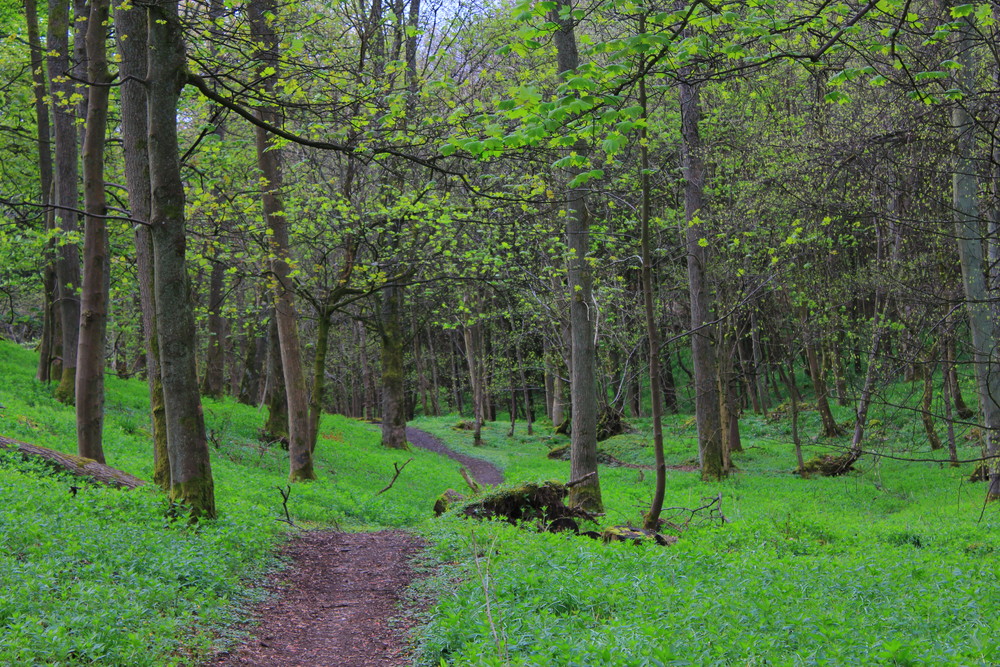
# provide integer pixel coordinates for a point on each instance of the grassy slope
(104, 578)
(888, 566)
(885, 567)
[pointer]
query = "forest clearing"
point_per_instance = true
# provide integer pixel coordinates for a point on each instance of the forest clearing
(499, 332)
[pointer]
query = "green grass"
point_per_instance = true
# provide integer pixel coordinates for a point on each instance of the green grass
(890, 565)
(104, 578)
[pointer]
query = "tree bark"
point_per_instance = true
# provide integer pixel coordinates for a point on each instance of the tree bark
(66, 197)
(393, 372)
(707, 417)
(651, 521)
(261, 14)
(214, 381)
(583, 380)
(191, 484)
(130, 29)
(49, 323)
(94, 307)
(982, 324)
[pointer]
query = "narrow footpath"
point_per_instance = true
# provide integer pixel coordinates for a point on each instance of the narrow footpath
(338, 604)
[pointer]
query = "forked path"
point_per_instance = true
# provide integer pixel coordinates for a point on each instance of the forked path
(338, 602)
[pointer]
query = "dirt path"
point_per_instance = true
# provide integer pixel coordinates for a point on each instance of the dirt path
(482, 471)
(338, 604)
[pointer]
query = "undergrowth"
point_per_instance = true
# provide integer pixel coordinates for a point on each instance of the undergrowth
(103, 577)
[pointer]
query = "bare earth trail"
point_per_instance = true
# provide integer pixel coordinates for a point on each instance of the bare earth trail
(338, 602)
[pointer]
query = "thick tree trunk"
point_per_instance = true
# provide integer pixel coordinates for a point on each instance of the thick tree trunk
(130, 29)
(66, 198)
(393, 372)
(268, 161)
(982, 324)
(191, 484)
(707, 417)
(94, 314)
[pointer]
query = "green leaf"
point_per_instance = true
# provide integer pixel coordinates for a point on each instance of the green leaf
(963, 10)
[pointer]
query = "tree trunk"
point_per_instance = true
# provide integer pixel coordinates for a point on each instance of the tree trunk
(214, 381)
(67, 198)
(130, 29)
(707, 417)
(651, 521)
(435, 382)
(473, 337)
(319, 374)
(49, 322)
(94, 314)
(276, 427)
(583, 381)
(982, 324)
(830, 427)
(393, 371)
(300, 458)
(191, 484)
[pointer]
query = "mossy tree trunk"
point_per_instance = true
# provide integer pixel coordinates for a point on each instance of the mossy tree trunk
(583, 355)
(191, 484)
(703, 355)
(393, 370)
(130, 30)
(66, 199)
(965, 190)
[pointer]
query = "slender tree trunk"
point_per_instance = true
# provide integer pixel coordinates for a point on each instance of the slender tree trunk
(40, 90)
(473, 356)
(707, 417)
(214, 380)
(583, 380)
(316, 397)
(190, 469)
(435, 382)
(276, 427)
(926, 416)
(66, 197)
(261, 13)
(529, 407)
(94, 314)
(830, 427)
(652, 518)
(947, 396)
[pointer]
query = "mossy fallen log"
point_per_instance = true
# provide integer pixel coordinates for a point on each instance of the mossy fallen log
(635, 536)
(829, 465)
(446, 500)
(530, 501)
(74, 465)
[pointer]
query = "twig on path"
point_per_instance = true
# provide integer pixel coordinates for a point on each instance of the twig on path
(285, 493)
(399, 469)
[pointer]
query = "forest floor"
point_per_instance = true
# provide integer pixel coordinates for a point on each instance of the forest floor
(340, 600)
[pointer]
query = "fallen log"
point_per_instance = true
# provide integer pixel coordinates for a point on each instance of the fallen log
(74, 465)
